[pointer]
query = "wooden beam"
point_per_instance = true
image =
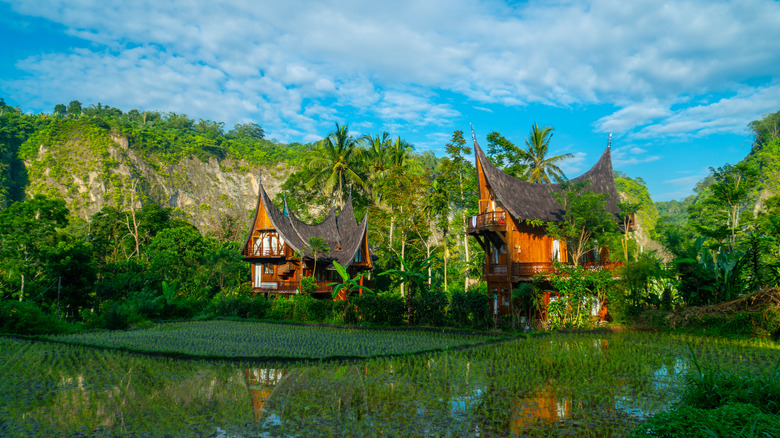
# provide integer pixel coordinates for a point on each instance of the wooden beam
(481, 242)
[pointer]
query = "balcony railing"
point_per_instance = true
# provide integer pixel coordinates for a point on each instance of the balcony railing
(491, 219)
(289, 287)
(531, 269)
(265, 252)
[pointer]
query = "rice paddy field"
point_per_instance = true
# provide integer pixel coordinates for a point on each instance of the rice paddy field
(596, 384)
(257, 340)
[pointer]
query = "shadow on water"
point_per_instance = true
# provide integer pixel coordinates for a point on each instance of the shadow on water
(561, 384)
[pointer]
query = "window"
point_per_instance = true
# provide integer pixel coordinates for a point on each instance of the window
(359, 256)
(269, 269)
(266, 244)
(258, 275)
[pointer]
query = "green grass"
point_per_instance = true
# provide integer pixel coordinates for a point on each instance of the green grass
(721, 401)
(243, 339)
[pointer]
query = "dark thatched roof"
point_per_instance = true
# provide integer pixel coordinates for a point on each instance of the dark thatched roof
(528, 201)
(341, 233)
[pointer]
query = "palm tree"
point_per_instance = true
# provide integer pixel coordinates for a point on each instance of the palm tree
(317, 247)
(401, 156)
(540, 167)
(376, 160)
(336, 163)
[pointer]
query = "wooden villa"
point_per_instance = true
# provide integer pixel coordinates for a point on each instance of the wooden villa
(516, 250)
(276, 236)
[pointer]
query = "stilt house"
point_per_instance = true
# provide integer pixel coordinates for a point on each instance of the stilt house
(515, 249)
(276, 235)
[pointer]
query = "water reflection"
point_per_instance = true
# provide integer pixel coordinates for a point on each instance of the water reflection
(261, 383)
(563, 382)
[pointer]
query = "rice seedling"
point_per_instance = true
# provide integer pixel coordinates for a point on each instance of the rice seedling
(555, 385)
(231, 339)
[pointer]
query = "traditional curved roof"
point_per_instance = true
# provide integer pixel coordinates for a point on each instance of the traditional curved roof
(342, 233)
(528, 201)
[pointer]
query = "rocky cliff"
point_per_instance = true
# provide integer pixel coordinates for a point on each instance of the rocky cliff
(91, 168)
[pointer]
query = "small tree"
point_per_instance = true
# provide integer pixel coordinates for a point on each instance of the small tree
(627, 212)
(732, 187)
(527, 301)
(585, 218)
(416, 275)
(317, 247)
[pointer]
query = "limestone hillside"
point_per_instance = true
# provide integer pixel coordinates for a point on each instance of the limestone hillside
(91, 167)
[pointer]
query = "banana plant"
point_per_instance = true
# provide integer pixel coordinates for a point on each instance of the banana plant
(348, 284)
(415, 273)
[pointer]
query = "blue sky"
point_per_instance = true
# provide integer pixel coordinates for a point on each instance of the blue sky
(676, 82)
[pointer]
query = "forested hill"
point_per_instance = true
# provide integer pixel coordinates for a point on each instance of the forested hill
(735, 194)
(97, 156)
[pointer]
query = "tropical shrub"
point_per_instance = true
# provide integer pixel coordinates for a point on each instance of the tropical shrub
(571, 306)
(26, 317)
(381, 309)
(308, 309)
(471, 308)
(430, 307)
(281, 309)
(241, 305)
(308, 285)
(737, 419)
(346, 311)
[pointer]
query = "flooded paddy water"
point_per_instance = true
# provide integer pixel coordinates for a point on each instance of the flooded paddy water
(596, 384)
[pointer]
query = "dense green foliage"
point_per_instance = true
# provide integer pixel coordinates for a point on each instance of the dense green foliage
(15, 127)
(585, 219)
(635, 191)
(168, 136)
(723, 241)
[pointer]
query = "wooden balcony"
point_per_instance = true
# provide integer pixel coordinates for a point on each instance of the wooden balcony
(264, 252)
(490, 221)
(289, 287)
(527, 270)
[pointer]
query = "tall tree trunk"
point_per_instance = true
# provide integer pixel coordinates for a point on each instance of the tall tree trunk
(463, 224)
(392, 226)
(466, 250)
(134, 230)
(428, 256)
(403, 268)
(446, 257)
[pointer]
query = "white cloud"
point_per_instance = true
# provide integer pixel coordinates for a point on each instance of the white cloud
(629, 155)
(574, 166)
(727, 115)
(295, 67)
